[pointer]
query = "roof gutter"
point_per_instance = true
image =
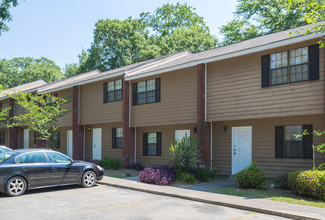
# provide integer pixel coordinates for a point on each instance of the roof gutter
(6, 97)
(281, 43)
(82, 82)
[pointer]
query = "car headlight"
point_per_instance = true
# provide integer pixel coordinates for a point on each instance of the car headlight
(100, 168)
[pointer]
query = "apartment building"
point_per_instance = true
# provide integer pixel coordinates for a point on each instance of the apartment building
(244, 101)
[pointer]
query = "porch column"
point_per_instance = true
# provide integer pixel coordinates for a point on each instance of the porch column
(128, 132)
(203, 128)
(78, 130)
(13, 132)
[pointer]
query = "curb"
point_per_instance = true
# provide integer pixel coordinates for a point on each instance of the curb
(231, 205)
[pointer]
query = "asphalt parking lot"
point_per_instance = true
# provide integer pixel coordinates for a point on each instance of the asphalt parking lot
(104, 202)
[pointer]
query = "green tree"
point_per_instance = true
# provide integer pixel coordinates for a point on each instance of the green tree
(5, 15)
(18, 71)
(171, 28)
(259, 17)
(313, 11)
(41, 113)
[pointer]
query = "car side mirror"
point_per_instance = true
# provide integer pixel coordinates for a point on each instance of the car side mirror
(69, 164)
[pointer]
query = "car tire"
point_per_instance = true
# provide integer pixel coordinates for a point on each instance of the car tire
(88, 179)
(16, 186)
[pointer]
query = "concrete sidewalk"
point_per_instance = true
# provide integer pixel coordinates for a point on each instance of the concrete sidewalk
(210, 185)
(255, 205)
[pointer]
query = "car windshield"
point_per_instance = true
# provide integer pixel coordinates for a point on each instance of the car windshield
(5, 156)
(2, 150)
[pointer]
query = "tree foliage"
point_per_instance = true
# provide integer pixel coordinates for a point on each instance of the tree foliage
(41, 113)
(5, 15)
(18, 71)
(170, 28)
(259, 17)
(313, 11)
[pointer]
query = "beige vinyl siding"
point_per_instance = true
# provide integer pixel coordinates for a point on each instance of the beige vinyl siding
(93, 108)
(65, 120)
(168, 135)
(235, 92)
(263, 144)
(107, 150)
(177, 103)
(19, 110)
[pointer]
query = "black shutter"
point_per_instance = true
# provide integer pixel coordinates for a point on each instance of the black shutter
(157, 90)
(105, 92)
(145, 144)
(313, 58)
(35, 137)
(308, 142)
(113, 137)
(135, 97)
(158, 143)
(58, 139)
(265, 71)
(279, 140)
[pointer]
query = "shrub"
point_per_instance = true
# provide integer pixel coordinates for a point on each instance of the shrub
(185, 154)
(321, 167)
(292, 179)
(204, 175)
(251, 177)
(185, 177)
(158, 175)
(310, 183)
(282, 181)
(135, 166)
(114, 164)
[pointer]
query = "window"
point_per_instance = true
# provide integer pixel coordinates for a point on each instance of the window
(152, 144)
(146, 91)
(2, 137)
(57, 158)
(5, 156)
(56, 139)
(288, 146)
(117, 137)
(296, 65)
(289, 66)
(35, 157)
(113, 91)
(49, 100)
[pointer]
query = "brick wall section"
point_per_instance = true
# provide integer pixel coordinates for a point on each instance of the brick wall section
(78, 130)
(13, 132)
(128, 133)
(203, 128)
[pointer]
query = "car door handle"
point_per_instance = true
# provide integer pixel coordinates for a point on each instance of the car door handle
(53, 168)
(25, 169)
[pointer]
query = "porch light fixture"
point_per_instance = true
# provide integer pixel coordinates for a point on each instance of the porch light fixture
(89, 129)
(195, 129)
(225, 128)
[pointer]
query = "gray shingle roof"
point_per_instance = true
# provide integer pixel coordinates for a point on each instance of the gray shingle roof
(28, 87)
(230, 50)
(96, 75)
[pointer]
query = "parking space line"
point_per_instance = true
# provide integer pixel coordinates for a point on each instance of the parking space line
(99, 209)
(244, 216)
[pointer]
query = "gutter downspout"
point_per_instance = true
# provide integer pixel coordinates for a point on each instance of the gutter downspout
(84, 154)
(130, 101)
(135, 144)
(211, 146)
(205, 90)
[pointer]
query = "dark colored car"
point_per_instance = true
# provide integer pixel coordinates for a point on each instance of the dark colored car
(4, 149)
(37, 168)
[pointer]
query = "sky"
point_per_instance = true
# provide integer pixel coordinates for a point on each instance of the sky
(60, 29)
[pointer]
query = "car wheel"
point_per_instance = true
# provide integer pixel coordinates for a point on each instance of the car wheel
(16, 186)
(88, 179)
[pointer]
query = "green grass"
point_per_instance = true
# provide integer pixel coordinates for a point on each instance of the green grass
(271, 194)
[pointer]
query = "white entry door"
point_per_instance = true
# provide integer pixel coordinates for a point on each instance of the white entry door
(26, 138)
(180, 134)
(241, 148)
(69, 143)
(97, 144)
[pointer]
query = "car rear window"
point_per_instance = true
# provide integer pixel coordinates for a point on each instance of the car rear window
(5, 156)
(2, 150)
